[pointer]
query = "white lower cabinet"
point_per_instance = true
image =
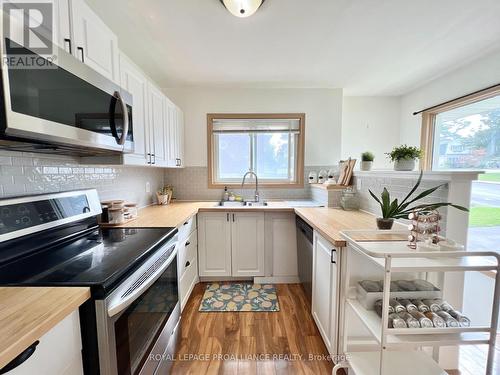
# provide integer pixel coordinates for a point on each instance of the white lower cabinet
(247, 244)
(325, 291)
(187, 259)
(231, 244)
(59, 351)
(214, 244)
(281, 246)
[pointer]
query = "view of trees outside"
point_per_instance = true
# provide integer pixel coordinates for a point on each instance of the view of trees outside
(270, 155)
(469, 138)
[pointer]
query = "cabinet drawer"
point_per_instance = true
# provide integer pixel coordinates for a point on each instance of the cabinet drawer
(188, 250)
(186, 228)
(188, 280)
(64, 340)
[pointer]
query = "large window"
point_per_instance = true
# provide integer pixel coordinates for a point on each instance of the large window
(464, 133)
(272, 146)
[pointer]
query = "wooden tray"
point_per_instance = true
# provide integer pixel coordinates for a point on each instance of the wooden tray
(108, 225)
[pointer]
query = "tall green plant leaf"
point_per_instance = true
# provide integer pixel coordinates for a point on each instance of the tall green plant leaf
(412, 190)
(386, 203)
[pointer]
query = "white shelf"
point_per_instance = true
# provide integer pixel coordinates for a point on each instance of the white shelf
(395, 363)
(415, 337)
(443, 262)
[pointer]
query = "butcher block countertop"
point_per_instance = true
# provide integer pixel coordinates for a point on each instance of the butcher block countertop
(329, 222)
(27, 313)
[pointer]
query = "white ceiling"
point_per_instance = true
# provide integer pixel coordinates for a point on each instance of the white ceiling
(367, 47)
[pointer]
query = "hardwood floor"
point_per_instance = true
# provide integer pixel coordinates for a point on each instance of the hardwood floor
(284, 342)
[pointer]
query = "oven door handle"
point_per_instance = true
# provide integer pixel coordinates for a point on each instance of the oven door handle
(126, 125)
(116, 306)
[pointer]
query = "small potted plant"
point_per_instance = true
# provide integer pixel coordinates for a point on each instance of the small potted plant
(367, 161)
(164, 195)
(404, 157)
(400, 210)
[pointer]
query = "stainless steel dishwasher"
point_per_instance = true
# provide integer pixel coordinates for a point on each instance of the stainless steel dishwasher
(305, 254)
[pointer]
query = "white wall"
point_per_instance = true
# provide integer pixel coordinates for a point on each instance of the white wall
(479, 74)
(323, 109)
(370, 124)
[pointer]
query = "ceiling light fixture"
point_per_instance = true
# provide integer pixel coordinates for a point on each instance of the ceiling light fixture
(242, 8)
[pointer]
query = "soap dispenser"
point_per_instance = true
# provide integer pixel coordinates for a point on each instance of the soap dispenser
(225, 197)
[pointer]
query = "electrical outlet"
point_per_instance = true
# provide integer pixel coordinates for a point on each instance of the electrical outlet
(148, 187)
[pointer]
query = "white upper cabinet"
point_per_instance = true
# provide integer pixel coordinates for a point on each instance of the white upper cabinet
(133, 81)
(94, 43)
(158, 125)
(175, 135)
(64, 35)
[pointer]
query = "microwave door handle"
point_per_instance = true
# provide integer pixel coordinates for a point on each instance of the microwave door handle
(122, 303)
(126, 124)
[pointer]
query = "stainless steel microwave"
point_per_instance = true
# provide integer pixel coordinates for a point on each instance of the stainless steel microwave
(67, 108)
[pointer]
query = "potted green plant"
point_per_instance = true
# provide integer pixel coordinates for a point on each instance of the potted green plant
(400, 210)
(404, 157)
(366, 161)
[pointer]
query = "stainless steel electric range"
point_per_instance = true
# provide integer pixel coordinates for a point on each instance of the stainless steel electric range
(130, 325)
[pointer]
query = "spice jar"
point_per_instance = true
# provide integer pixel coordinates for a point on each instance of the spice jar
(132, 210)
(116, 216)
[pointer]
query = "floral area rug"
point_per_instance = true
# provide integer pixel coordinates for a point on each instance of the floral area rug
(239, 297)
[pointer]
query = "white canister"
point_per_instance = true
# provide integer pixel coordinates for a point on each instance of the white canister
(116, 216)
(132, 209)
(313, 177)
(118, 204)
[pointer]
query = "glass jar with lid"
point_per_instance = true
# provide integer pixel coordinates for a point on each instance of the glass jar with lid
(349, 200)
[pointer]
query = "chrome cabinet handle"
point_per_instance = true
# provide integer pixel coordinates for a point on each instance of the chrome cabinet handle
(67, 40)
(82, 53)
(227, 217)
(149, 157)
(126, 124)
(331, 256)
(233, 218)
(187, 243)
(187, 264)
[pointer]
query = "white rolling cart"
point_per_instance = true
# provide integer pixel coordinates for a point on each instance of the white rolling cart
(390, 351)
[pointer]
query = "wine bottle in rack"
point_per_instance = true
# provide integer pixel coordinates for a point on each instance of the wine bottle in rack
(462, 320)
(422, 319)
(411, 322)
(450, 321)
(395, 321)
(409, 306)
(436, 320)
(397, 306)
(421, 306)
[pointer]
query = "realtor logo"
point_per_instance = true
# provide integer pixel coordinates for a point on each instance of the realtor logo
(28, 31)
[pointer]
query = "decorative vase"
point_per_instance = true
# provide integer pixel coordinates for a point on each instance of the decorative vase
(366, 165)
(384, 224)
(404, 165)
(162, 198)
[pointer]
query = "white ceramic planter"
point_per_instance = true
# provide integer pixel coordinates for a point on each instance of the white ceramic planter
(404, 165)
(366, 165)
(162, 199)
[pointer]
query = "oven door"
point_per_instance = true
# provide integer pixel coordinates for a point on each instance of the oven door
(138, 321)
(66, 104)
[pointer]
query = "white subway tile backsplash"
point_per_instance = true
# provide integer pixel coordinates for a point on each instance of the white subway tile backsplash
(37, 173)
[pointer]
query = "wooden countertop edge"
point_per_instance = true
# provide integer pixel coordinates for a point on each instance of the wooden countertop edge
(338, 242)
(66, 303)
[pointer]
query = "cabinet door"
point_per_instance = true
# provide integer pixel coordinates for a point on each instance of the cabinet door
(180, 136)
(281, 245)
(157, 126)
(64, 37)
(135, 83)
(171, 134)
(214, 244)
(247, 238)
(95, 43)
(64, 339)
(324, 288)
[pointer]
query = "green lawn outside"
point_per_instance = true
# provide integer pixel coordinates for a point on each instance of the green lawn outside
(484, 217)
(490, 177)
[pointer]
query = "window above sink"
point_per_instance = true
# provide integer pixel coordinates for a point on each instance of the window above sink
(271, 145)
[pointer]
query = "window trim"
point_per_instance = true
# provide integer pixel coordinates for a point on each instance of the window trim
(298, 183)
(429, 121)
